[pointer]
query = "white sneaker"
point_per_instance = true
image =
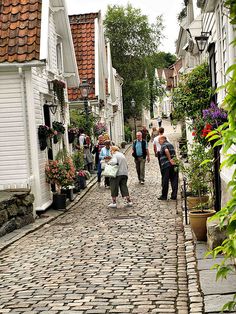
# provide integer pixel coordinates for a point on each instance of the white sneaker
(112, 205)
(128, 204)
(142, 182)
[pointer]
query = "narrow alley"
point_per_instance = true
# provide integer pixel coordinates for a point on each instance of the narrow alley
(93, 259)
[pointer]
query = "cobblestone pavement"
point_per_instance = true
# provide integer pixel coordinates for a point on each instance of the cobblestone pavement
(98, 260)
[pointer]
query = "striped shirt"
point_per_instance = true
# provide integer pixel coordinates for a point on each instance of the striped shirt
(163, 158)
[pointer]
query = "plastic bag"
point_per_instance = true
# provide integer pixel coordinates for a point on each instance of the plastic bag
(110, 171)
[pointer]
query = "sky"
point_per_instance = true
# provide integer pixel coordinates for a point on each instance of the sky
(152, 8)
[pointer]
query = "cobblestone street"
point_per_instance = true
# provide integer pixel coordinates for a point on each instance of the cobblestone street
(98, 260)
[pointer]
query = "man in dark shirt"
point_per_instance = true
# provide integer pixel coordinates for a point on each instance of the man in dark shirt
(169, 171)
(145, 134)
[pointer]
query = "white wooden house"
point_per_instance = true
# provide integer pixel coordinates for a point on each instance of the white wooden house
(95, 66)
(214, 23)
(35, 49)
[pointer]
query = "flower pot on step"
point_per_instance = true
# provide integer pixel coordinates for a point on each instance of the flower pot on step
(198, 222)
(69, 193)
(82, 182)
(59, 201)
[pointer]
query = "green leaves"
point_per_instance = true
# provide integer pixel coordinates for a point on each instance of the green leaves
(134, 42)
(194, 92)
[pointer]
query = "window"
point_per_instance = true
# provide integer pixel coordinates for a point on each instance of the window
(59, 57)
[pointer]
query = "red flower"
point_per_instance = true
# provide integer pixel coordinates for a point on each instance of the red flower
(207, 129)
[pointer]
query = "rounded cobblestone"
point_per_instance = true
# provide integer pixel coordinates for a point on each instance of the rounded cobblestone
(98, 260)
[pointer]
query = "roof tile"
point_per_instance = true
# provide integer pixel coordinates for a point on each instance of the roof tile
(20, 22)
(83, 34)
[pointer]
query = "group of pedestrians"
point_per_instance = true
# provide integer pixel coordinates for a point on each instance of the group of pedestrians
(164, 151)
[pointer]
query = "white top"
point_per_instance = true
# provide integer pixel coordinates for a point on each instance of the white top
(81, 140)
(119, 158)
(156, 142)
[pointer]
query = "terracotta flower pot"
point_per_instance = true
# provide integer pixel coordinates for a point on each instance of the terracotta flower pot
(193, 201)
(198, 221)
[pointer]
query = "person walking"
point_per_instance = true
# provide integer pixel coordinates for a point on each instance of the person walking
(154, 133)
(145, 134)
(171, 118)
(156, 144)
(88, 158)
(105, 154)
(169, 171)
(140, 152)
(96, 150)
(159, 121)
(120, 181)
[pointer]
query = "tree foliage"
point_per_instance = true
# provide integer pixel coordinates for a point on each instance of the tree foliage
(134, 45)
(193, 93)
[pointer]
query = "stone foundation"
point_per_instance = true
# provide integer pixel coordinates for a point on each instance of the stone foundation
(16, 209)
(215, 235)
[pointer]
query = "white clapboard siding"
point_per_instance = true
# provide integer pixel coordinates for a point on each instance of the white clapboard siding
(13, 150)
(40, 88)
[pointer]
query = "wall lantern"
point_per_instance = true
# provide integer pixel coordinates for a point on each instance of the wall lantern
(201, 41)
(52, 106)
(50, 86)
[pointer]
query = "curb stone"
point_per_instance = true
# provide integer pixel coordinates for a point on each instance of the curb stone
(195, 295)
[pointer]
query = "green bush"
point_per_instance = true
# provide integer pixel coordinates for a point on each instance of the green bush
(128, 134)
(78, 159)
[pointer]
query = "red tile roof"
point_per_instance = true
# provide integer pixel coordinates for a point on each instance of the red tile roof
(83, 34)
(169, 78)
(20, 22)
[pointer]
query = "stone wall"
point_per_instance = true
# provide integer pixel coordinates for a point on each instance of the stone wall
(16, 209)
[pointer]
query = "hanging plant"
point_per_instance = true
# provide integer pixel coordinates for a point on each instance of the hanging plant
(44, 133)
(58, 88)
(58, 131)
(72, 132)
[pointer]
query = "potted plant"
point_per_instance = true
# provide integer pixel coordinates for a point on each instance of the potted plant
(60, 172)
(44, 133)
(99, 128)
(59, 129)
(199, 177)
(72, 132)
(81, 177)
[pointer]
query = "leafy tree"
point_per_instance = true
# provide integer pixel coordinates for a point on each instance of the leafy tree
(78, 120)
(193, 93)
(132, 40)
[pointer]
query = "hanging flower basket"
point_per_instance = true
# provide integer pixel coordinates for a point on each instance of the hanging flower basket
(55, 139)
(99, 128)
(44, 134)
(72, 132)
(59, 129)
